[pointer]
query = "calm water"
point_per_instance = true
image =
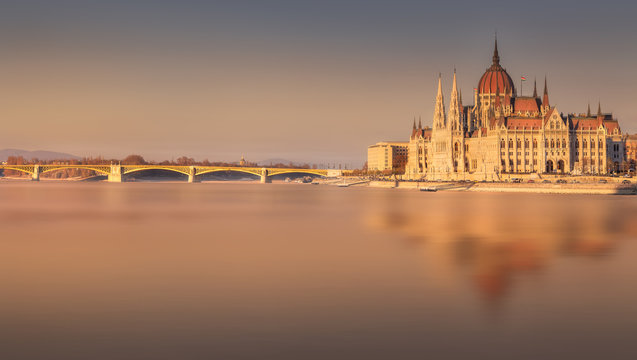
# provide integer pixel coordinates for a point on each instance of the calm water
(293, 271)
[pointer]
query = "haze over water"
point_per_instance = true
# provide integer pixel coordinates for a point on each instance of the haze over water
(293, 271)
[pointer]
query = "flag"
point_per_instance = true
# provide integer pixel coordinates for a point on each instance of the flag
(523, 78)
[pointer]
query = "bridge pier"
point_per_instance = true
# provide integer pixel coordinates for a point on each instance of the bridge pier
(192, 175)
(265, 179)
(36, 173)
(116, 174)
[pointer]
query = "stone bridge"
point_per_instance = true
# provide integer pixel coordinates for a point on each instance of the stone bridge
(116, 173)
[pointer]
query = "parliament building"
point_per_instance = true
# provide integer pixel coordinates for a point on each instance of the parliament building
(503, 133)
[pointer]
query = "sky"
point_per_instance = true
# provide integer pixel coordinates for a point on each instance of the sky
(309, 81)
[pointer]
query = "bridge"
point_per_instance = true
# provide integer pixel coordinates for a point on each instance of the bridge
(116, 173)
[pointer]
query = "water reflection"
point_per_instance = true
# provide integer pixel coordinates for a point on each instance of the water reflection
(498, 237)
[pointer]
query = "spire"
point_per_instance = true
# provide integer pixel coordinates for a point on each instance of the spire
(588, 110)
(455, 105)
(545, 100)
(534, 88)
(419, 122)
(496, 56)
(440, 120)
(414, 128)
(599, 108)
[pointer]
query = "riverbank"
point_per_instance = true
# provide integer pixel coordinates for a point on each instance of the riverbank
(539, 188)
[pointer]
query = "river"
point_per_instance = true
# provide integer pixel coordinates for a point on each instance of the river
(295, 271)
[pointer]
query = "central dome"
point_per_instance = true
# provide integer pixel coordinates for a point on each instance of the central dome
(496, 79)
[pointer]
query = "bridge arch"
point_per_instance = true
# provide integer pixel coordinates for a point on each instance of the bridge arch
(246, 171)
(273, 172)
(185, 170)
(25, 169)
(97, 169)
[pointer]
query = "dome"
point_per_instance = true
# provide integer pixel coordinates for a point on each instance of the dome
(496, 78)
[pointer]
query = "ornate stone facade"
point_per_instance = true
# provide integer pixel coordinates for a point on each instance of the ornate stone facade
(503, 133)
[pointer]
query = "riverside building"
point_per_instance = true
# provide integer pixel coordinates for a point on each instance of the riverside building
(387, 156)
(503, 133)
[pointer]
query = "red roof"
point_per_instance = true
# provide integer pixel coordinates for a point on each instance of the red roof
(611, 125)
(525, 104)
(493, 79)
(524, 123)
(585, 123)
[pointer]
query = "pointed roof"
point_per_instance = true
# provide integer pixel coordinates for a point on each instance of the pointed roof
(414, 128)
(496, 56)
(588, 110)
(545, 99)
(419, 122)
(440, 118)
(599, 108)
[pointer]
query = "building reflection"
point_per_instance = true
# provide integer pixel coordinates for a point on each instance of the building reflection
(493, 239)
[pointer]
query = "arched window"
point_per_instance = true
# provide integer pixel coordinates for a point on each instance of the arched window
(546, 143)
(601, 144)
(577, 143)
(526, 143)
(552, 144)
(535, 143)
(518, 144)
(510, 143)
(455, 147)
(584, 143)
(558, 143)
(502, 145)
(592, 144)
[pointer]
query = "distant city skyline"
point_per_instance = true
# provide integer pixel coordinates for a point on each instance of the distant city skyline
(307, 81)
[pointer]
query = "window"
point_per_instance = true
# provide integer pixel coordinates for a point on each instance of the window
(502, 143)
(526, 162)
(519, 162)
(584, 143)
(552, 144)
(564, 143)
(518, 143)
(546, 143)
(526, 143)
(535, 143)
(576, 143)
(510, 143)
(558, 144)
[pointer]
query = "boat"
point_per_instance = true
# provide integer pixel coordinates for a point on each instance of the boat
(428, 188)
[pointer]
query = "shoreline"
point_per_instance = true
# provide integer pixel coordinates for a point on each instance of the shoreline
(537, 188)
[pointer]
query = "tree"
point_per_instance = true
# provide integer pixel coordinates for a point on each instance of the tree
(134, 160)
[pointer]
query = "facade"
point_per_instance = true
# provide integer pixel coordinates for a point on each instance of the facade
(631, 152)
(387, 156)
(503, 133)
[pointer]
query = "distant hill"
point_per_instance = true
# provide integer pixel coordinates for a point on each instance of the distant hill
(39, 154)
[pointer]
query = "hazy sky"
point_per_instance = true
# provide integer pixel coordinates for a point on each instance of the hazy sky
(314, 81)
